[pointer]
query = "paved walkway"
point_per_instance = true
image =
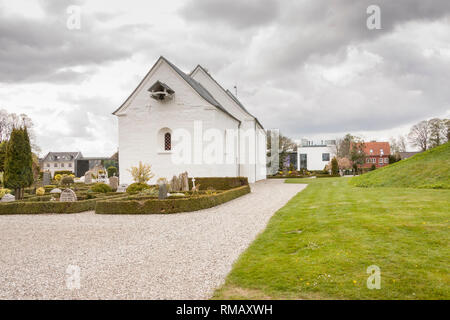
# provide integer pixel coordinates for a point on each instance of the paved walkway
(178, 256)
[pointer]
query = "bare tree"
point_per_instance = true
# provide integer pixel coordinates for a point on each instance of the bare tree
(9, 121)
(419, 135)
(437, 132)
(402, 143)
(447, 129)
(397, 144)
(343, 146)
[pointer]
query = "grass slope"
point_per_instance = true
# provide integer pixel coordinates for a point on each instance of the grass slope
(430, 169)
(320, 244)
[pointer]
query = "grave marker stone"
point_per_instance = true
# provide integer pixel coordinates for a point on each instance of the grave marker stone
(47, 178)
(114, 182)
(162, 191)
(122, 188)
(88, 177)
(8, 198)
(68, 195)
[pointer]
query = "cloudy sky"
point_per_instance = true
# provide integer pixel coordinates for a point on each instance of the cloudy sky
(311, 68)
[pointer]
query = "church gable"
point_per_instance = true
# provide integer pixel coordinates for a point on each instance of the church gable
(165, 82)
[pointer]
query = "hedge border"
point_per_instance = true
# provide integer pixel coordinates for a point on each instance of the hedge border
(219, 183)
(46, 207)
(154, 206)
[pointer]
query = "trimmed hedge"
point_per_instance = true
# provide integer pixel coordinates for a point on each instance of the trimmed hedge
(155, 206)
(327, 175)
(40, 207)
(219, 183)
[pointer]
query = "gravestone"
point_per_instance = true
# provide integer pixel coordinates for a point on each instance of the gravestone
(122, 188)
(68, 195)
(47, 178)
(184, 182)
(114, 182)
(8, 198)
(162, 191)
(56, 190)
(88, 177)
(175, 184)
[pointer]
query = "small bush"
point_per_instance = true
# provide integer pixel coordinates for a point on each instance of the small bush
(63, 172)
(3, 192)
(137, 187)
(40, 191)
(67, 180)
(100, 188)
(112, 171)
(334, 167)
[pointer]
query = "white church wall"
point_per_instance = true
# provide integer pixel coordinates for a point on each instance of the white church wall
(141, 122)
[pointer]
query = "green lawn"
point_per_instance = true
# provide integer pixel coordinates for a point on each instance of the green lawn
(320, 244)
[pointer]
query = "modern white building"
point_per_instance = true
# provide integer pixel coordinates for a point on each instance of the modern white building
(179, 122)
(315, 156)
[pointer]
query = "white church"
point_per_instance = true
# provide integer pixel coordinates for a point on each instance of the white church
(179, 122)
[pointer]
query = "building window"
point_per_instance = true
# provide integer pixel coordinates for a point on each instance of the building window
(48, 165)
(70, 165)
(55, 165)
(62, 165)
(167, 141)
(303, 161)
(386, 160)
(381, 161)
(325, 157)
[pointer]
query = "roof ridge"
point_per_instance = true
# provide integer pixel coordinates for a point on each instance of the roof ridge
(231, 95)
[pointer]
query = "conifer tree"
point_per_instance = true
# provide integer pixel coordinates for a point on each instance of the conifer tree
(18, 163)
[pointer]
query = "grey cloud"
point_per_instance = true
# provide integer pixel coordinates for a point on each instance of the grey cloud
(241, 14)
(45, 50)
(297, 30)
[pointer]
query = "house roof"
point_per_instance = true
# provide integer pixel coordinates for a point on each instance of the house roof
(406, 155)
(62, 156)
(376, 148)
(228, 92)
(194, 84)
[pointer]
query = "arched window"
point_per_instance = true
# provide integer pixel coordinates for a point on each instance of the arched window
(167, 141)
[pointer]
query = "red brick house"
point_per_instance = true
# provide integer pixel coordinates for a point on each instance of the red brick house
(377, 153)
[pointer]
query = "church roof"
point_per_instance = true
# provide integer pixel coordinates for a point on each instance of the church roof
(228, 92)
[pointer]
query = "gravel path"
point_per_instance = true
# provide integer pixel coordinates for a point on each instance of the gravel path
(178, 256)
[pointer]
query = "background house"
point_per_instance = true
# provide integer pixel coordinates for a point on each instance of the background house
(377, 153)
(60, 161)
(73, 162)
